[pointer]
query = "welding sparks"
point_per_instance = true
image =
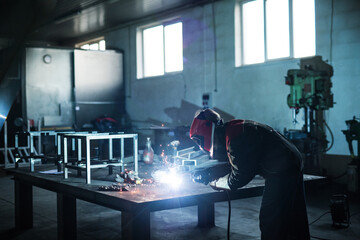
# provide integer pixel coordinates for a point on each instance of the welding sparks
(169, 177)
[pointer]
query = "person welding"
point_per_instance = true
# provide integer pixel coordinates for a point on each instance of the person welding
(251, 149)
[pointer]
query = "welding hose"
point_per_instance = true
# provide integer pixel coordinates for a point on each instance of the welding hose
(229, 215)
(332, 136)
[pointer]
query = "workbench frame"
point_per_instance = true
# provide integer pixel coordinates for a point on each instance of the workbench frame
(133, 214)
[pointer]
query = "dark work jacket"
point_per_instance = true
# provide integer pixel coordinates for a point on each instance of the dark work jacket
(254, 148)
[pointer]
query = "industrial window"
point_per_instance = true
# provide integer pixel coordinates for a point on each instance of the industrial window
(95, 44)
(273, 29)
(159, 49)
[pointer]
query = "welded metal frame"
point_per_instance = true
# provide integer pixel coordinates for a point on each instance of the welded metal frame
(33, 151)
(87, 137)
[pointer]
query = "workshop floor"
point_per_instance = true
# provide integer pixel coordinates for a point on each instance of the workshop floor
(95, 222)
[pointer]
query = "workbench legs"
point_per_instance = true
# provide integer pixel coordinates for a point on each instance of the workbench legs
(135, 225)
(66, 217)
(23, 205)
(206, 214)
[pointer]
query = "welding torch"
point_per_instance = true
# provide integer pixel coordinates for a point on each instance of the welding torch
(208, 174)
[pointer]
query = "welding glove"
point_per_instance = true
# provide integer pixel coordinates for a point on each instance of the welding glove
(221, 183)
(202, 176)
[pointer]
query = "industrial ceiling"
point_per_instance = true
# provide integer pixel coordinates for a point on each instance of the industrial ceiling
(66, 21)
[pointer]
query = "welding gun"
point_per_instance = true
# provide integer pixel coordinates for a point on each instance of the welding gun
(210, 171)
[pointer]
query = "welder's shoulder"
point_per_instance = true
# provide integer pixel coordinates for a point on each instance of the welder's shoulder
(246, 142)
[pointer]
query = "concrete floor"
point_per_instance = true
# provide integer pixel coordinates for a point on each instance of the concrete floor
(96, 222)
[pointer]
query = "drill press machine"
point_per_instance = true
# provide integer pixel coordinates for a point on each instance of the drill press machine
(310, 90)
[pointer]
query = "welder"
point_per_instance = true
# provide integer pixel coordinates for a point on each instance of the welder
(252, 148)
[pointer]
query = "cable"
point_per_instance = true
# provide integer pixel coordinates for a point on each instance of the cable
(319, 238)
(315, 222)
(229, 216)
(332, 137)
(319, 218)
(331, 134)
(341, 175)
(355, 213)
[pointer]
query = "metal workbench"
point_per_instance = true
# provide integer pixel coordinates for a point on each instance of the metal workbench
(135, 205)
(87, 138)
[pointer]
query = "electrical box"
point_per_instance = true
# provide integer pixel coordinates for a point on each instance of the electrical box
(207, 100)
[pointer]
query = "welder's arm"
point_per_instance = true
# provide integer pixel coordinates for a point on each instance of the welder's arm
(244, 153)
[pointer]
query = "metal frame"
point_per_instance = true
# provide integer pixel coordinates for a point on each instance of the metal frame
(87, 137)
(9, 151)
(190, 155)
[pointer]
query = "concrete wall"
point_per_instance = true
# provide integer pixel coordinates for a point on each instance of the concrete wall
(256, 92)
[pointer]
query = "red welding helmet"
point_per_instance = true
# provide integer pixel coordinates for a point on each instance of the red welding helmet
(202, 131)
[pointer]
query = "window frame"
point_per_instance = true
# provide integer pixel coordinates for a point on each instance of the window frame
(238, 31)
(140, 60)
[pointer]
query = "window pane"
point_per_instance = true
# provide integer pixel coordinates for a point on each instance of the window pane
(173, 47)
(94, 46)
(86, 46)
(304, 28)
(277, 29)
(102, 45)
(153, 51)
(253, 31)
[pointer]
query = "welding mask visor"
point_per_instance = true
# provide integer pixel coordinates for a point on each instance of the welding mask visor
(202, 133)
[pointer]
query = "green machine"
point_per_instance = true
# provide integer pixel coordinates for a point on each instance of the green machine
(310, 90)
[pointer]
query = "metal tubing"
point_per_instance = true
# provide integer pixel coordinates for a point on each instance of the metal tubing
(31, 153)
(39, 139)
(65, 159)
(17, 151)
(5, 145)
(122, 154)
(136, 153)
(88, 168)
(59, 144)
(79, 156)
(79, 150)
(87, 137)
(110, 149)
(72, 144)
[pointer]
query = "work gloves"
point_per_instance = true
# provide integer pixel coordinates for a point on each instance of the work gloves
(221, 183)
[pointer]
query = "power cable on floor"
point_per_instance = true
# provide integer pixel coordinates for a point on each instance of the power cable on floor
(229, 215)
(319, 238)
(339, 176)
(355, 213)
(319, 218)
(314, 237)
